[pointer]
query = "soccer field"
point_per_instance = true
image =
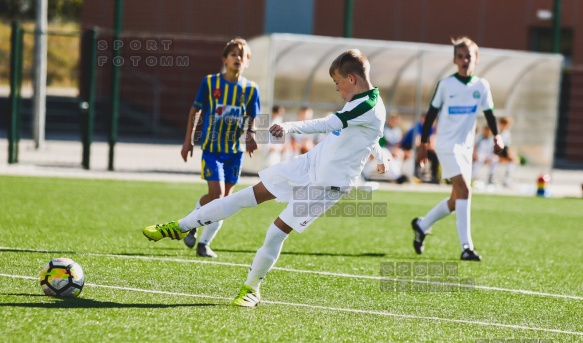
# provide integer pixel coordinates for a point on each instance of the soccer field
(346, 279)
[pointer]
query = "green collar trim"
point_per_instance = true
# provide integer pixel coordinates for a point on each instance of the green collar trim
(463, 79)
(373, 93)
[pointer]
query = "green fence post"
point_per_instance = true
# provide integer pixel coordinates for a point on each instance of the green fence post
(15, 85)
(557, 26)
(87, 92)
(115, 73)
(348, 12)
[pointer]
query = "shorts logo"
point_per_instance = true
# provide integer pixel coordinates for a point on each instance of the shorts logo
(337, 132)
(304, 223)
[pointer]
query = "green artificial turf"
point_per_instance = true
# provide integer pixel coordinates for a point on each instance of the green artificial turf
(342, 280)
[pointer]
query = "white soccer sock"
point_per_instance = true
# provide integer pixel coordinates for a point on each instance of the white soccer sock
(209, 232)
(196, 207)
(219, 209)
(266, 256)
(462, 212)
(436, 213)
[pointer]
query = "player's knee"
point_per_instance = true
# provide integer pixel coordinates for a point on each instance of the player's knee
(216, 195)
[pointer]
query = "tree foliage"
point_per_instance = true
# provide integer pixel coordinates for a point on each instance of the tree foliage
(58, 10)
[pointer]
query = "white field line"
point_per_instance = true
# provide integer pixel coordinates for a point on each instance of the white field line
(354, 276)
(326, 308)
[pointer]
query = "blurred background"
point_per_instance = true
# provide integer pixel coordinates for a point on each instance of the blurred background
(161, 50)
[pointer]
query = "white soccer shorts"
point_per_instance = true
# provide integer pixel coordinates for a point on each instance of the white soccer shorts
(289, 181)
(455, 164)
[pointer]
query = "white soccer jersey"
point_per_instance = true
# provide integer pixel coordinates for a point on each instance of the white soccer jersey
(458, 103)
(354, 133)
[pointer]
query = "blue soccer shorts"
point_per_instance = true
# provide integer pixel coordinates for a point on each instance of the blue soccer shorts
(221, 167)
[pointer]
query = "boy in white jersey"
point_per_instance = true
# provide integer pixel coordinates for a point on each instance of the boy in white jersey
(311, 183)
(456, 100)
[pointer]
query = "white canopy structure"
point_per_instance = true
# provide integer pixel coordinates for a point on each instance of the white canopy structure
(292, 70)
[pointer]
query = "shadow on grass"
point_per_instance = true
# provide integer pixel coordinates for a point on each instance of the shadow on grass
(37, 251)
(365, 254)
(88, 303)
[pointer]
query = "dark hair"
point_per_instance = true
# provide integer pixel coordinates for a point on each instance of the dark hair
(276, 108)
(463, 42)
(240, 43)
(351, 62)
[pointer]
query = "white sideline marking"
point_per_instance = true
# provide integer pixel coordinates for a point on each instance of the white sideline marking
(354, 276)
(326, 308)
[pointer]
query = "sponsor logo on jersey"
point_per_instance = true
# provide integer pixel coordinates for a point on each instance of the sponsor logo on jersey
(229, 114)
(461, 110)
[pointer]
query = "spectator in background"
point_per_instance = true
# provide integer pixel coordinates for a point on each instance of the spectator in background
(484, 154)
(277, 146)
(392, 133)
(413, 139)
(392, 136)
(302, 143)
(508, 155)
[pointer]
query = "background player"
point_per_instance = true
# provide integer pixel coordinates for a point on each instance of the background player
(225, 101)
(456, 100)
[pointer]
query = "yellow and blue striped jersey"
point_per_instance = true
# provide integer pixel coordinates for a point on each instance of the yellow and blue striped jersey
(225, 106)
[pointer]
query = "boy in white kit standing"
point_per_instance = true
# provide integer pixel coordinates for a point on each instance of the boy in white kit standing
(332, 168)
(456, 100)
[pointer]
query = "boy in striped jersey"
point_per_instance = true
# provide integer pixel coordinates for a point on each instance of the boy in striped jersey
(226, 102)
(456, 100)
(310, 183)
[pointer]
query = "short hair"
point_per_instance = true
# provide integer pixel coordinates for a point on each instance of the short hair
(240, 43)
(276, 108)
(351, 62)
(505, 120)
(463, 42)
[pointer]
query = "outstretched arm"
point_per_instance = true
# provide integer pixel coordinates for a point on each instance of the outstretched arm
(322, 125)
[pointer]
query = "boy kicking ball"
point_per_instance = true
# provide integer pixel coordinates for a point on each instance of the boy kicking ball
(333, 167)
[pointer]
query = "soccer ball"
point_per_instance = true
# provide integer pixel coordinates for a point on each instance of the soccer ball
(62, 277)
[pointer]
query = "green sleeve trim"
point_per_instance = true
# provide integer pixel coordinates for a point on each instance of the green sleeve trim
(361, 108)
(433, 96)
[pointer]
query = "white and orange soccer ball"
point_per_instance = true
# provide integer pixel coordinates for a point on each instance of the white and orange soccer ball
(62, 277)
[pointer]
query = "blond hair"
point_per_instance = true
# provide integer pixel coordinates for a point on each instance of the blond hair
(463, 42)
(351, 62)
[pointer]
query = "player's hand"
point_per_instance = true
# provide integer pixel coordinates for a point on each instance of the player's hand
(422, 154)
(278, 130)
(498, 144)
(382, 168)
(250, 143)
(186, 148)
